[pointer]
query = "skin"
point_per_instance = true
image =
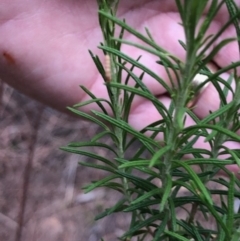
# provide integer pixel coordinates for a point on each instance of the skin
(44, 52)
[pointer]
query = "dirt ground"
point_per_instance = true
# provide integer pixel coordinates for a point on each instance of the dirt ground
(40, 185)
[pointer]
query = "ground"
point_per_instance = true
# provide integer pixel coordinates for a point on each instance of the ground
(45, 183)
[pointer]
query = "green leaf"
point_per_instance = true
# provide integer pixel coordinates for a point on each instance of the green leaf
(145, 93)
(99, 183)
(220, 129)
(197, 234)
(124, 126)
(175, 235)
(118, 207)
(186, 226)
(129, 99)
(96, 166)
(152, 51)
(211, 136)
(104, 133)
(216, 114)
(137, 64)
(88, 117)
(114, 186)
(173, 214)
(216, 49)
(89, 154)
(141, 205)
(142, 163)
(161, 228)
(234, 10)
(160, 107)
(233, 155)
(180, 201)
(139, 182)
(81, 104)
(184, 184)
(90, 143)
(98, 65)
(197, 161)
(98, 101)
(167, 192)
(158, 155)
(158, 192)
(134, 32)
(211, 13)
(226, 89)
(230, 214)
(201, 187)
(143, 224)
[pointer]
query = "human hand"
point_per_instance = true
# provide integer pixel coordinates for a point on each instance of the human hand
(44, 51)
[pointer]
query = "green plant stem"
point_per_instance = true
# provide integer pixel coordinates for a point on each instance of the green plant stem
(175, 129)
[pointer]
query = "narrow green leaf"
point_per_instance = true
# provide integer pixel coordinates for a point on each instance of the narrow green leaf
(157, 191)
(220, 129)
(143, 204)
(186, 226)
(197, 234)
(104, 133)
(143, 224)
(118, 207)
(233, 10)
(236, 235)
(173, 214)
(226, 89)
(230, 214)
(124, 126)
(219, 33)
(211, 13)
(216, 49)
(137, 64)
(161, 228)
(219, 220)
(92, 144)
(193, 151)
(98, 64)
(139, 182)
(89, 154)
(158, 155)
(234, 156)
(160, 107)
(175, 235)
(216, 114)
(95, 98)
(142, 163)
(211, 136)
(202, 189)
(133, 31)
(96, 166)
(99, 183)
(197, 161)
(88, 117)
(147, 49)
(167, 191)
(114, 186)
(81, 104)
(180, 201)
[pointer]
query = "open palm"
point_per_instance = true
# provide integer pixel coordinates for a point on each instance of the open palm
(44, 50)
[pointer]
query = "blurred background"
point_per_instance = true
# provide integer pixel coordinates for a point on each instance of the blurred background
(40, 186)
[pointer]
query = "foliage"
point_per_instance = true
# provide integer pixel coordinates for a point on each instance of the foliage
(154, 207)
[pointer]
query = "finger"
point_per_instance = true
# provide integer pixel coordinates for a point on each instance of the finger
(209, 100)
